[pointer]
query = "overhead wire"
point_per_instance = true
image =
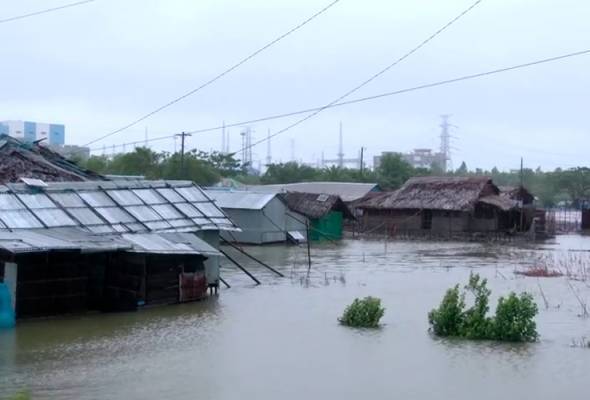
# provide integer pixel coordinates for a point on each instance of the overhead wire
(217, 77)
(366, 82)
(45, 11)
(368, 98)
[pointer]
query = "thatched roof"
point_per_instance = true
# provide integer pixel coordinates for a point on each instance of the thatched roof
(28, 160)
(439, 193)
(314, 205)
(517, 193)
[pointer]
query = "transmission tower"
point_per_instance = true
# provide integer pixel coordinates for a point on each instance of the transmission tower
(246, 146)
(268, 149)
(445, 143)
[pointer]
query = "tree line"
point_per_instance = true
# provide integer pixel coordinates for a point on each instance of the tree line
(569, 187)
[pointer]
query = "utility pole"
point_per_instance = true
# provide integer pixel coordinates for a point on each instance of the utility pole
(361, 166)
(340, 149)
(520, 191)
(223, 138)
(146, 137)
(182, 135)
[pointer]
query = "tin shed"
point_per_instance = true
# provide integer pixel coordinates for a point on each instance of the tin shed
(260, 216)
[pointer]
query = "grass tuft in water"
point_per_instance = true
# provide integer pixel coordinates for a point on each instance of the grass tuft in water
(363, 313)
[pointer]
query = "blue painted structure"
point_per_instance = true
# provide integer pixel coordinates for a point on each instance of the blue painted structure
(57, 134)
(7, 319)
(30, 132)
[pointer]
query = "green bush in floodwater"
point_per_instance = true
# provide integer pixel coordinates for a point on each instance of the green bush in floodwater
(514, 320)
(363, 313)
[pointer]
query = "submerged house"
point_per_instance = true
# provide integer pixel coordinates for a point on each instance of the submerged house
(261, 217)
(348, 192)
(105, 245)
(322, 215)
(444, 206)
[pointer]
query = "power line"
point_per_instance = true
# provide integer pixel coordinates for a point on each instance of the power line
(377, 96)
(219, 76)
(375, 76)
(48, 10)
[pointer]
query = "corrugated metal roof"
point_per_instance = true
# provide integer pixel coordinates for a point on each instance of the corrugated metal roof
(69, 239)
(75, 239)
(111, 207)
(171, 243)
(240, 199)
(348, 191)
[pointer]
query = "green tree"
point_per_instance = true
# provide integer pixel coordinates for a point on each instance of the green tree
(462, 170)
(195, 168)
(98, 164)
(142, 161)
(576, 183)
(393, 171)
(289, 172)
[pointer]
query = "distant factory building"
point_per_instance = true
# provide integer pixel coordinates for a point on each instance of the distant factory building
(52, 134)
(419, 158)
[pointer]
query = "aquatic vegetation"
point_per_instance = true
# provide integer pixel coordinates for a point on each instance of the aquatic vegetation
(23, 395)
(539, 272)
(363, 313)
(514, 320)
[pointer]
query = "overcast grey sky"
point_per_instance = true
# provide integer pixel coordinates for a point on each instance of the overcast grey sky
(99, 66)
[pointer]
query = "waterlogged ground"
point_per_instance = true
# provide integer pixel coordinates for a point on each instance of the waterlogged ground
(281, 340)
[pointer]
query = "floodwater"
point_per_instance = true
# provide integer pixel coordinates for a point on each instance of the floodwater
(281, 340)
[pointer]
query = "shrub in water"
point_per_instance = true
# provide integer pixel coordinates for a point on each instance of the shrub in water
(514, 319)
(364, 313)
(447, 319)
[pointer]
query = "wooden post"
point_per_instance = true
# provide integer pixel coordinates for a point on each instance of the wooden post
(224, 282)
(237, 264)
(308, 246)
(253, 258)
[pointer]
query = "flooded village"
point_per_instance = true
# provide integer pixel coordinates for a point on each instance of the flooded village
(346, 250)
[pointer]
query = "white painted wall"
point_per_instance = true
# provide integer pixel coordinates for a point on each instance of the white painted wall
(42, 132)
(16, 128)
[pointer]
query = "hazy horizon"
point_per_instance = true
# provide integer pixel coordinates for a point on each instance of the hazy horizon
(98, 66)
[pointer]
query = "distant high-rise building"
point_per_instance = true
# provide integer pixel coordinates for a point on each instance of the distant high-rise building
(54, 134)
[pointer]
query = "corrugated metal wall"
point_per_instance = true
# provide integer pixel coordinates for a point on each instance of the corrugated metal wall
(259, 226)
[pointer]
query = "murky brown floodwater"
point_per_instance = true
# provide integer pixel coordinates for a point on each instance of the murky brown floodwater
(282, 341)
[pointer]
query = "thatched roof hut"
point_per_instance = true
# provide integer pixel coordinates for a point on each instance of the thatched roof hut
(441, 193)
